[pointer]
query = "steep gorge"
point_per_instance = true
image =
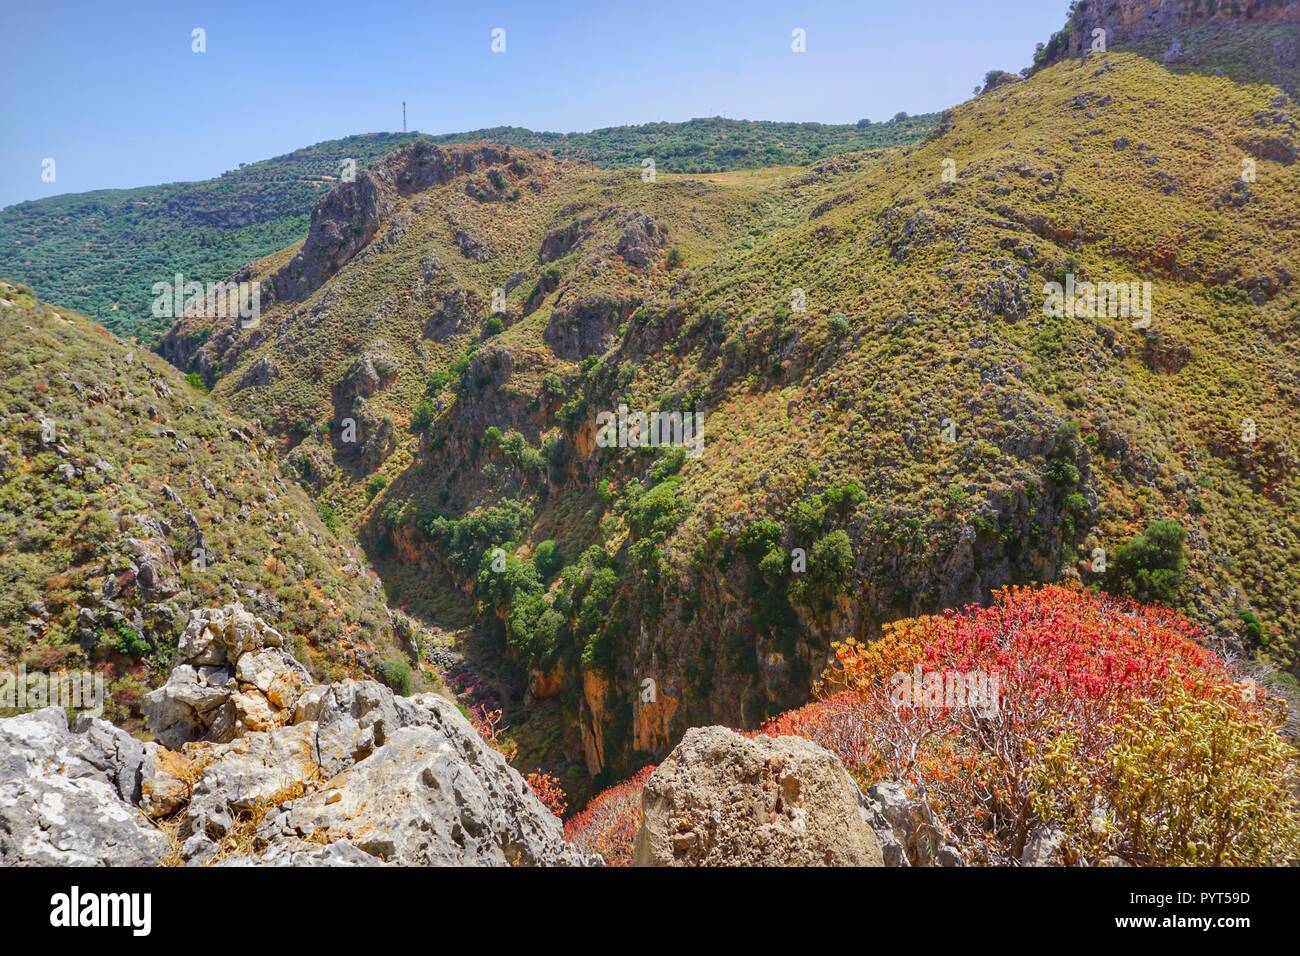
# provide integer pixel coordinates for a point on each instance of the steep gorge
(893, 425)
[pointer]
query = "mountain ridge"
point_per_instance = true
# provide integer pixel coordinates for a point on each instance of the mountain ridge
(100, 252)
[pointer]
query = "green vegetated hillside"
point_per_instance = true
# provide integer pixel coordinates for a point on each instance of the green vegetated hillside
(919, 433)
(100, 252)
(129, 498)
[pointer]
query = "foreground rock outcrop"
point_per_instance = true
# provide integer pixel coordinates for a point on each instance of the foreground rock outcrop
(258, 765)
(721, 799)
(67, 794)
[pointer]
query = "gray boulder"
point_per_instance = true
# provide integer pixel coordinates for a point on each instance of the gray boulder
(62, 794)
(909, 830)
(429, 793)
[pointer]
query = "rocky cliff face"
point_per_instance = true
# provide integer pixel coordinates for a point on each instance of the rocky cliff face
(345, 224)
(1127, 20)
(1187, 30)
(346, 220)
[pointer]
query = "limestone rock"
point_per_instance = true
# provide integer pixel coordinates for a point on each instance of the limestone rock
(720, 799)
(1043, 846)
(367, 375)
(352, 717)
(279, 677)
(1133, 20)
(260, 768)
(163, 786)
(222, 635)
(455, 311)
(194, 704)
(431, 792)
(560, 241)
(262, 764)
(61, 800)
(641, 240)
(587, 325)
(261, 373)
(113, 751)
(911, 833)
(302, 853)
(232, 675)
(312, 465)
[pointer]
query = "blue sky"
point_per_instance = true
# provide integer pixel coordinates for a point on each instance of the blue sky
(113, 92)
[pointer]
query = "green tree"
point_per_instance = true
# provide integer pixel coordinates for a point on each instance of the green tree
(1152, 565)
(547, 559)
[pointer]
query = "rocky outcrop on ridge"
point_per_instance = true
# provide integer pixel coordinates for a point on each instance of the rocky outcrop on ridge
(1129, 20)
(232, 675)
(1173, 25)
(348, 218)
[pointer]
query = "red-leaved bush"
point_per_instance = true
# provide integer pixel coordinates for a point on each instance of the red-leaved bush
(1088, 690)
(609, 824)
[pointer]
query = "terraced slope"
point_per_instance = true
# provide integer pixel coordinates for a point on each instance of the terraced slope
(894, 425)
(129, 498)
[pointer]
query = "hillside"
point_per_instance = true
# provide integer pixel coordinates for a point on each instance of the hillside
(100, 252)
(128, 499)
(921, 430)
(918, 493)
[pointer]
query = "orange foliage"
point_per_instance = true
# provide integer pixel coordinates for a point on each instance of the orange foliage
(609, 824)
(488, 724)
(546, 787)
